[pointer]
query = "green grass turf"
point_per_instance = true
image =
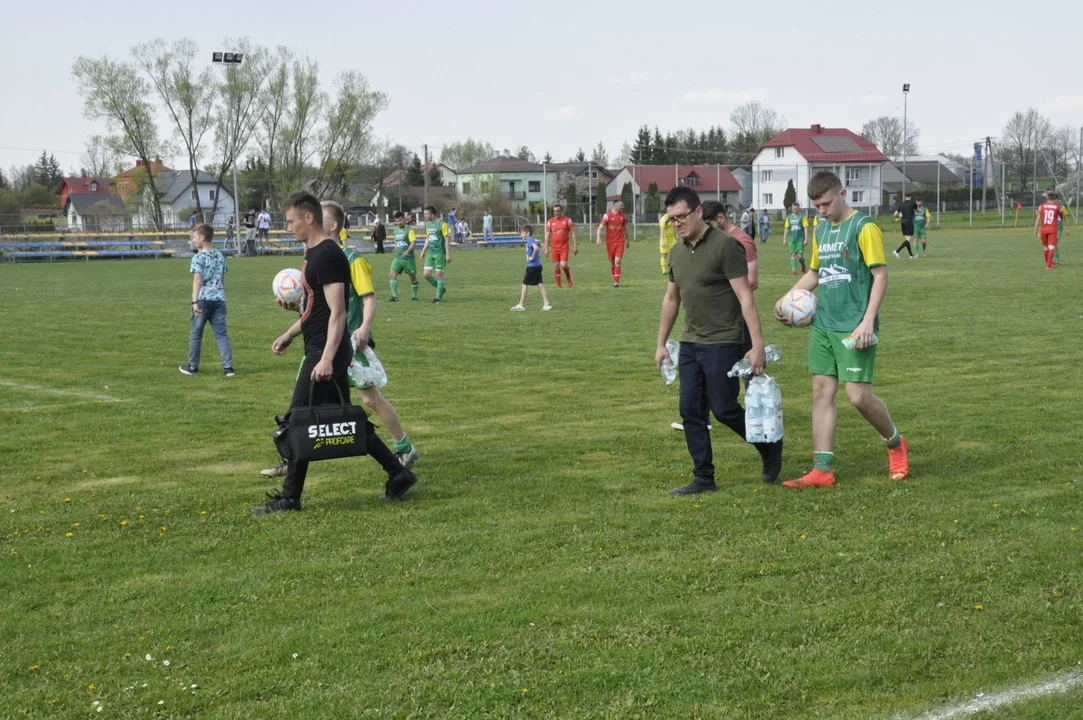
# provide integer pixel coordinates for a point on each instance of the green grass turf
(540, 568)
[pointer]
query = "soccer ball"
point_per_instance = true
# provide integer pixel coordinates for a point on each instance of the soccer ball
(287, 286)
(799, 308)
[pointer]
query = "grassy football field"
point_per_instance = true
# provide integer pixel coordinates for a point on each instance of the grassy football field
(540, 568)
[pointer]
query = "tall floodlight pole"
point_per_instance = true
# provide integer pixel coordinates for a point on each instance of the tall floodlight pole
(227, 59)
(906, 94)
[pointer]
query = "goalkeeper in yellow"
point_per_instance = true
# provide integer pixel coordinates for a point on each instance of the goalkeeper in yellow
(667, 238)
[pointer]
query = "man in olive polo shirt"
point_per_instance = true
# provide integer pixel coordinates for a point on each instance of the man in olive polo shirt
(708, 272)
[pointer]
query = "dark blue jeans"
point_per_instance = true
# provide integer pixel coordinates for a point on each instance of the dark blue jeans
(214, 312)
(706, 389)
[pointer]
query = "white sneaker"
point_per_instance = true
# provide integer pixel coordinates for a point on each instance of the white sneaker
(518, 308)
(679, 426)
(547, 307)
(277, 471)
(896, 254)
(913, 257)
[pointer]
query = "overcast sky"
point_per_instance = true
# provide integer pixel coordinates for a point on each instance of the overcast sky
(559, 75)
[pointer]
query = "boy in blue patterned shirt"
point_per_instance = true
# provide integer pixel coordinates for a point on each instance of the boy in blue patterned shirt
(208, 301)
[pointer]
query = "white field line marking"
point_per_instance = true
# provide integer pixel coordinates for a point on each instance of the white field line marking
(65, 393)
(1056, 685)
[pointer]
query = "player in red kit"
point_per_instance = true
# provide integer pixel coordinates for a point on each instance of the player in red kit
(557, 231)
(1045, 226)
(615, 240)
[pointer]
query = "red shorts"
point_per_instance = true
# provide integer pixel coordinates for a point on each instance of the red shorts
(559, 253)
(1049, 239)
(615, 250)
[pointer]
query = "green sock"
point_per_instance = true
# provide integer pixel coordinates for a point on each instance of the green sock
(432, 280)
(1056, 254)
(403, 445)
(439, 289)
(824, 461)
(414, 289)
(793, 264)
(894, 440)
(394, 288)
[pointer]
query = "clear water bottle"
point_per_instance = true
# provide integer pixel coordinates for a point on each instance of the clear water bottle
(754, 409)
(771, 402)
(669, 365)
(848, 342)
(743, 367)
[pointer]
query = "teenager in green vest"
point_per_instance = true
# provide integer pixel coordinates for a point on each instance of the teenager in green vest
(849, 268)
(436, 252)
(404, 262)
(795, 232)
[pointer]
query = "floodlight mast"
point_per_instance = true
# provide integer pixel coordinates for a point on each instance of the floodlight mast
(906, 93)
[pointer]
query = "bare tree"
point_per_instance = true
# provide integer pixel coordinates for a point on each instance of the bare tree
(115, 93)
(187, 94)
(298, 138)
(240, 94)
(753, 124)
(274, 103)
(347, 140)
(1061, 148)
(886, 133)
(98, 160)
(1023, 135)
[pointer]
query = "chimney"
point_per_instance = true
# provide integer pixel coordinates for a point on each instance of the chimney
(816, 129)
(139, 163)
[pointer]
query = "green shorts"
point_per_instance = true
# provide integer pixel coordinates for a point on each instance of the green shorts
(921, 233)
(404, 265)
(827, 356)
(435, 262)
(797, 247)
(357, 358)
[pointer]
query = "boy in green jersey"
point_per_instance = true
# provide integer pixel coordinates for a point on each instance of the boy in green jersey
(795, 234)
(849, 268)
(436, 252)
(1060, 234)
(404, 262)
(921, 229)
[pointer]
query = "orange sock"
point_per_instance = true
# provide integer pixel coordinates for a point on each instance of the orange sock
(616, 274)
(568, 274)
(556, 274)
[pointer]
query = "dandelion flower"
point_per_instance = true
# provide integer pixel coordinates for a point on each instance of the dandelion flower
(69, 534)
(92, 687)
(124, 523)
(166, 663)
(979, 607)
(67, 499)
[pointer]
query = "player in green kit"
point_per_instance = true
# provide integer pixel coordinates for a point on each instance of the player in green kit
(848, 267)
(404, 262)
(436, 253)
(921, 229)
(1060, 233)
(795, 232)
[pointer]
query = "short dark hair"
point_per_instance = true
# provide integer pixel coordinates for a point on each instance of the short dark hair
(205, 231)
(527, 229)
(712, 209)
(336, 212)
(558, 205)
(909, 194)
(1051, 195)
(432, 209)
(683, 192)
(823, 183)
(398, 215)
(304, 202)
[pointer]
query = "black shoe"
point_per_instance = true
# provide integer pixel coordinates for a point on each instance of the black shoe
(414, 299)
(435, 301)
(694, 488)
(398, 484)
(188, 370)
(277, 502)
(392, 299)
(772, 460)
(230, 372)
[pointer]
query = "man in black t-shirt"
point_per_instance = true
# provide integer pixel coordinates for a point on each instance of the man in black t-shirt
(249, 223)
(906, 211)
(328, 352)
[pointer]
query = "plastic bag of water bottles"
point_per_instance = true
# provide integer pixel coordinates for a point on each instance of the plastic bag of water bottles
(669, 365)
(373, 375)
(743, 367)
(763, 410)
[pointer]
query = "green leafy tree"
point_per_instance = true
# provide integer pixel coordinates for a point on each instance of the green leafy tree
(652, 205)
(414, 175)
(461, 155)
(436, 178)
(641, 152)
(790, 196)
(3, 181)
(627, 197)
(580, 156)
(600, 199)
(548, 159)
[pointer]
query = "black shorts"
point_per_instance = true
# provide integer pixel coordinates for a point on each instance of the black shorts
(908, 228)
(533, 276)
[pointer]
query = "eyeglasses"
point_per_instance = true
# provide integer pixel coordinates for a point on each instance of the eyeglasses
(681, 218)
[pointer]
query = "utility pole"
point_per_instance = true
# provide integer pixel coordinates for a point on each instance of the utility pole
(1078, 175)
(425, 172)
(906, 94)
(227, 59)
(985, 172)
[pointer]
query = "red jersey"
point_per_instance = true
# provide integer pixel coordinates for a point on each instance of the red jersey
(1049, 216)
(614, 226)
(746, 240)
(559, 228)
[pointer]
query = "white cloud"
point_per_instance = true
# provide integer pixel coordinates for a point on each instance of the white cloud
(1065, 102)
(562, 111)
(876, 100)
(714, 96)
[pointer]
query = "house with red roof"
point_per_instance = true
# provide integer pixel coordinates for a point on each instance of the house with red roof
(83, 186)
(797, 154)
(712, 182)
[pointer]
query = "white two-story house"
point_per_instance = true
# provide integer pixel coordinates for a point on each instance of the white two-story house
(799, 153)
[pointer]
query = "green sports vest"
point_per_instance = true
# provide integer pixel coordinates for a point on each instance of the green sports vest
(436, 237)
(797, 233)
(402, 241)
(845, 279)
(919, 217)
(355, 306)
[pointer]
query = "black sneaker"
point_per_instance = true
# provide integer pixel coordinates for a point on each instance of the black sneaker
(414, 299)
(392, 299)
(398, 484)
(772, 460)
(230, 372)
(435, 301)
(694, 488)
(277, 502)
(188, 370)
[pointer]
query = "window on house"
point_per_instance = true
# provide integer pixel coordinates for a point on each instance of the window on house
(853, 176)
(766, 175)
(93, 187)
(210, 194)
(534, 186)
(768, 199)
(593, 174)
(690, 181)
(780, 152)
(466, 188)
(858, 197)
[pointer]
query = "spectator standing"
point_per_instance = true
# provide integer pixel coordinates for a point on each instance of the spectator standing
(379, 235)
(208, 271)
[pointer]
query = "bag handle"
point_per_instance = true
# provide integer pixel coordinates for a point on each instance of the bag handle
(312, 389)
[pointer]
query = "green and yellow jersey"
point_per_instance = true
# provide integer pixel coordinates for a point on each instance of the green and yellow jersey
(843, 255)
